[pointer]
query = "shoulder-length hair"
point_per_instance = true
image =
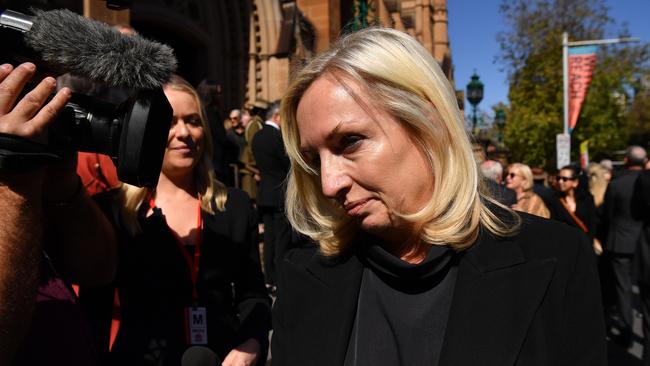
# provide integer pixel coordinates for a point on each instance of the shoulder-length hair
(206, 182)
(402, 79)
(526, 173)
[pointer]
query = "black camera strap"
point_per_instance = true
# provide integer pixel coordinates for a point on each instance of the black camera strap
(20, 154)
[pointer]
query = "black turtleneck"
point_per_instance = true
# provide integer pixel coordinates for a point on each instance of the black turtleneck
(402, 309)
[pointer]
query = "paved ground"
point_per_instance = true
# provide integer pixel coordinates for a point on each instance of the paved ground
(631, 356)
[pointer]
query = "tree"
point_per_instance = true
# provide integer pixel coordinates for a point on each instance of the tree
(531, 54)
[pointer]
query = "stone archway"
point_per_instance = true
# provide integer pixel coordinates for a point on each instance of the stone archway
(210, 39)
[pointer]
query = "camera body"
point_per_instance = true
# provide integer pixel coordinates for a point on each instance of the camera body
(132, 132)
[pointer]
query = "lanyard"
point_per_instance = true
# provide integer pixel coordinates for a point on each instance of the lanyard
(192, 265)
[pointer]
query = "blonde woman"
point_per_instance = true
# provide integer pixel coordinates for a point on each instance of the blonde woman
(520, 180)
(415, 264)
(189, 270)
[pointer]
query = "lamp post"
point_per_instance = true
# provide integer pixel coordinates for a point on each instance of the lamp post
(500, 120)
(474, 96)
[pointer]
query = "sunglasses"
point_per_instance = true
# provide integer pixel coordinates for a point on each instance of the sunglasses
(234, 117)
(563, 179)
(511, 175)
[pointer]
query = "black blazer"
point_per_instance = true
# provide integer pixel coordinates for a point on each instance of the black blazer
(273, 164)
(641, 211)
(585, 210)
(532, 299)
(622, 228)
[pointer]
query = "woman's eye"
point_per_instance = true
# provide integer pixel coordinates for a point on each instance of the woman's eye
(349, 142)
(194, 121)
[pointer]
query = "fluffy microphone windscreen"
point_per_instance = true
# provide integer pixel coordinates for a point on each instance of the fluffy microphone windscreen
(95, 51)
(199, 356)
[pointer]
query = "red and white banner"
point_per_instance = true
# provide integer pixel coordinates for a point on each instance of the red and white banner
(582, 61)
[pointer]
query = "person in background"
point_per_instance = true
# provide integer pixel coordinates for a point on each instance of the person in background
(415, 262)
(622, 233)
(225, 153)
(520, 180)
(641, 211)
(609, 166)
(189, 252)
(493, 172)
(577, 206)
(273, 164)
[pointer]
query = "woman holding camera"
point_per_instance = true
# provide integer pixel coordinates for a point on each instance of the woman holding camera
(189, 270)
(415, 263)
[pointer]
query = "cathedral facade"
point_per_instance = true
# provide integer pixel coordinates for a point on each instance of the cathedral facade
(250, 47)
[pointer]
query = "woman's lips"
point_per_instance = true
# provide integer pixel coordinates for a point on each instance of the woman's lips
(354, 208)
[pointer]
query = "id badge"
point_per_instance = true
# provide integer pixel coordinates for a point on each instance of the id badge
(196, 326)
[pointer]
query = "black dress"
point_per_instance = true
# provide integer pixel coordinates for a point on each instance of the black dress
(155, 287)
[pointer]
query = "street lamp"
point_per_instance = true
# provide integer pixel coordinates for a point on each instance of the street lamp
(474, 96)
(500, 120)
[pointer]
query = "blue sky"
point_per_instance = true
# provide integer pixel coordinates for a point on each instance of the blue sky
(474, 24)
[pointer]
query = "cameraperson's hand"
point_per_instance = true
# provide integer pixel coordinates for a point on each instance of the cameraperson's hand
(29, 117)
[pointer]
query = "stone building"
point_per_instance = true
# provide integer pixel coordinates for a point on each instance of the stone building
(249, 46)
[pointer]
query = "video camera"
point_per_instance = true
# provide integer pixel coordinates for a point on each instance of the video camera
(133, 133)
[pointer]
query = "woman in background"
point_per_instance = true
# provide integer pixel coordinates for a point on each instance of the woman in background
(520, 180)
(189, 270)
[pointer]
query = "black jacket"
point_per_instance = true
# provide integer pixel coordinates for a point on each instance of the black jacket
(154, 286)
(273, 163)
(532, 299)
(621, 227)
(641, 211)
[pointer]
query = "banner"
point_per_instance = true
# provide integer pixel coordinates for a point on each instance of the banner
(584, 154)
(582, 61)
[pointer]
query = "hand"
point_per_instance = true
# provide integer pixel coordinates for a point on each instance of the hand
(243, 355)
(29, 118)
(598, 248)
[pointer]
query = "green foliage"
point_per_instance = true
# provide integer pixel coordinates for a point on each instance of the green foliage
(531, 54)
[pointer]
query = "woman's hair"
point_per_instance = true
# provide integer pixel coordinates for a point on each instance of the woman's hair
(393, 68)
(526, 173)
(597, 182)
(206, 182)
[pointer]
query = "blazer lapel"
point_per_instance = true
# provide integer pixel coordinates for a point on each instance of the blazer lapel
(330, 303)
(496, 296)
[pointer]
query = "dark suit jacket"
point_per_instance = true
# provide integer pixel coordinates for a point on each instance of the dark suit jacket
(502, 194)
(641, 211)
(532, 299)
(585, 210)
(622, 228)
(273, 164)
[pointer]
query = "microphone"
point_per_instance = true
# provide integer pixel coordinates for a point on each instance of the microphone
(68, 42)
(200, 356)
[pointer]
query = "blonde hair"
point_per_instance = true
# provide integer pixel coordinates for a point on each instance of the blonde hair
(526, 173)
(597, 182)
(206, 182)
(395, 69)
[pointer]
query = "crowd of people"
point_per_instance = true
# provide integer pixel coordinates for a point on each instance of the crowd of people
(384, 240)
(600, 201)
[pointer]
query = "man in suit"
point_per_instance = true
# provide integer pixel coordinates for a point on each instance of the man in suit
(622, 233)
(641, 211)
(273, 164)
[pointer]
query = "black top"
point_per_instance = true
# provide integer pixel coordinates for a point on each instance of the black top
(155, 287)
(402, 309)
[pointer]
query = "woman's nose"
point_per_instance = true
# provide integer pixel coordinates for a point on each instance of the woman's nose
(180, 129)
(334, 180)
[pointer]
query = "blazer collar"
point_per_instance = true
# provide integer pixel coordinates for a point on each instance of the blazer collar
(497, 294)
